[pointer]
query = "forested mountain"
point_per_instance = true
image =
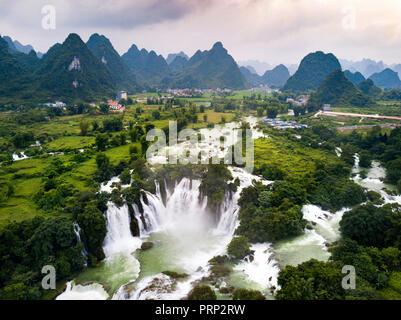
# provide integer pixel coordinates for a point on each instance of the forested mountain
(13, 78)
(356, 78)
(9, 66)
(148, 67)
(387, 79)
(251, 69)
(102, 48)
(369, 88)
(314, 68)
(178, 64)
(251, 78)
(71, 71)
(30, 62)
(337, 90)
(211, 69)
(277, 77)
(16, 46)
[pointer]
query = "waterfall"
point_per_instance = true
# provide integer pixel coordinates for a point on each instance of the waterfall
(262, 270)
(374, 181)
(77, 230)
(119, 238)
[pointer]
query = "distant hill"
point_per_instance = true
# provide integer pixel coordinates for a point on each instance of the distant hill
(102, 48)
(251, 69)
(356, 78)
(312, 71)
(172, 56)
(366, 66)
(16, 46)
(368, 87)
(259, 66)
(10, 44)
(70, 71)
(396, 68)
(148, 67)
(337, 90)
(211, 69)
(387, 79)
(251, 78)
(277, 77)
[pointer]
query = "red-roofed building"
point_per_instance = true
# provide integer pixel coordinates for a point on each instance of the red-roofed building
(114, 105)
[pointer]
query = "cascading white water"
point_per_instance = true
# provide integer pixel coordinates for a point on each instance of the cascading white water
(193, 236)
(77, 292)
(374, 180)
(77, 231)
(119, 237)
(262, 270)
(190, 235)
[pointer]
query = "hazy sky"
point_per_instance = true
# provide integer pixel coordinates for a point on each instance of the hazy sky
(275, 31)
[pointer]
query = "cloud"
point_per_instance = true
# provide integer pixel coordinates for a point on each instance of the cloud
(271, 30)
(126, 14)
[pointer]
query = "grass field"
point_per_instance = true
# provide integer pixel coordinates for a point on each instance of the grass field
(215, 117)
(26, 177)
(70, 142)
(293, 158)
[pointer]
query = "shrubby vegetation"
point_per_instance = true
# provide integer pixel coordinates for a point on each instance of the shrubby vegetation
(202, 293)
(271, 213)
(244, 294)
(27, 246)
(239, 248)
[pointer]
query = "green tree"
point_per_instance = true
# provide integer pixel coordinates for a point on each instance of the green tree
(104, 108)
(84, 127)
(311, 280)
(244, 294)
(102, 140)
(239, 248)
(202, 293)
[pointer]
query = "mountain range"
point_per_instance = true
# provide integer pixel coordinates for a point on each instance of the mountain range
(75, 70)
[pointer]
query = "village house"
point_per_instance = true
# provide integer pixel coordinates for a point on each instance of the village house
(326, 107)
(122, 95)
(114, 105)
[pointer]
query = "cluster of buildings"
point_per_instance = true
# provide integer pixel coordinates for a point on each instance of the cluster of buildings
(152, 98)
(114, 105)
(265, 90)
(283, 125)
(191, 92)
(57, 104)
(300, 101)
(326, 107)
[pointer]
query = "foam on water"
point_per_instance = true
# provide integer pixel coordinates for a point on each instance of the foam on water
(93, 291)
